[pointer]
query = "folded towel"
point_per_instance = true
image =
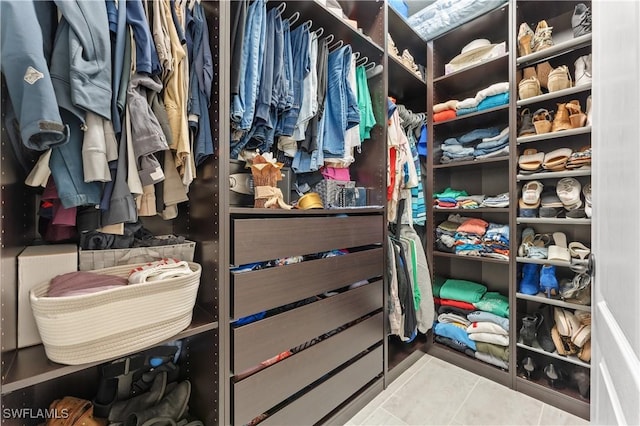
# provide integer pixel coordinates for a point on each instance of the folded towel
(498, 339)
(486, 327)
(444, 115)
(494, 101)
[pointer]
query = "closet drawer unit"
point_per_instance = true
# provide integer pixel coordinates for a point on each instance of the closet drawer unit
(321, 400)
(265, 389)
(255, 240)
(256, 291)
(261, 340)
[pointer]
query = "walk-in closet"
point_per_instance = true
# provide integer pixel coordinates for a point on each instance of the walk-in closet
(301, 212)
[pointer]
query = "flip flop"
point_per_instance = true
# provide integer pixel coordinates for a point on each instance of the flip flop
(556, 159)
(568, 190)
(578, 250)
(559, 250)
(530, 159)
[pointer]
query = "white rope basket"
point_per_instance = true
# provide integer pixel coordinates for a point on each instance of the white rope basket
(111, 323)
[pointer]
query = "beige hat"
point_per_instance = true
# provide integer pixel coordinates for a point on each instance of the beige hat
(475, 52)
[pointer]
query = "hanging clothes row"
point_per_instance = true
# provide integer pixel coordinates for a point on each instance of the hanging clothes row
(295, 92)
(116, 105)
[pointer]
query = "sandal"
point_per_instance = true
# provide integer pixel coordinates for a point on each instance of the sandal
(526, 125)
(556, 159)
(542, 121)
(559, 250)
(576, 116)
(530, 160)
(529, 87)
(561, 120)
(525, 38)
(528, 235)
(579, 250)
(559, 79)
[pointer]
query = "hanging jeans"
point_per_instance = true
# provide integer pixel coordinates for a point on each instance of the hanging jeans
(341, 109)
(243, 104)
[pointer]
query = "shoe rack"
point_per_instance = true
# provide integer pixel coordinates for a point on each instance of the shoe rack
(565, 50)
(489, 176)
(409, 89)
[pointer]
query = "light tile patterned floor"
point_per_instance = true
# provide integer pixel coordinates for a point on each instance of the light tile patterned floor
(434, 392)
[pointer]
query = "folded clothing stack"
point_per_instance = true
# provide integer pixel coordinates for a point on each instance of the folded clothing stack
(479, 143)
(472, 320)
(495, 95)
(445, 110)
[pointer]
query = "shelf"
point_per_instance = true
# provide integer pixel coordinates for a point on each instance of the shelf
(567, 399)
(476, 366)
(473, 114)
(406, 85)
(478, 210)
(541, 298)
(475, 77)
(553, 221)
(568, 358)
(555, 50)
(555, 95)
(554, 135)
(405, 37)
(472, 162)
(560, 263)
(30, 366)
(250, 211)
(555, 175)
(472, 258)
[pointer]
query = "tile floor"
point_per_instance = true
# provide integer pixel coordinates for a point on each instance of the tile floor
(434, 392)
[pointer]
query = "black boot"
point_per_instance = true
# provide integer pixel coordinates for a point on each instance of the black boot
(544, 329)
(529, 330)
(556, 377)
(529, 367)
(171, 408)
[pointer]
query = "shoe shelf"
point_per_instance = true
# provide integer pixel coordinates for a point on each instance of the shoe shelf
(474, 77)
(554, 135)
(567, 399)
(472, 258)
(480, 114)
(555, 50)
(541, 298)
(553, 221)
(398, 72)
(555, 175)
(250, 211)
(568, 358)
(560, 263)
(472, 162)
(478, 210)
(553, 95)
(474, 365)
(30, 366)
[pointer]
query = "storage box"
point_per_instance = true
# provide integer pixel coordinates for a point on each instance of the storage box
(241, 184)
(98, 259)
(110, 323)
(336, 193)
(37, 264)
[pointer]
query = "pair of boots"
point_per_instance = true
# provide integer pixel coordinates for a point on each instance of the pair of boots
(537, 327)
(162, 405)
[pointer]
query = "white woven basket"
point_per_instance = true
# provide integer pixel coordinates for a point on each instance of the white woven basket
(111, 323)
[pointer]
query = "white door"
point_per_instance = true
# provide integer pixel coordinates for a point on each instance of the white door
(615, 364)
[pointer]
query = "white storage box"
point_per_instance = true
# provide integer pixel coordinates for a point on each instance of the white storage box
(35, 265)
(111, 323)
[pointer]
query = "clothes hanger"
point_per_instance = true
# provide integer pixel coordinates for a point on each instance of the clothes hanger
(329, 39)
(356, 55)
(338, 44)
(319, 32)
(371, 65)
(308, 25)
(294, 18)
(280, 8)
(362, 61)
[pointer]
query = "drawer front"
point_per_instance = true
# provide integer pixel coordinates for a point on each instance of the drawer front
(257, 291)
(321, 400)
(261, 340)
(267, 388)
(256, 240)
